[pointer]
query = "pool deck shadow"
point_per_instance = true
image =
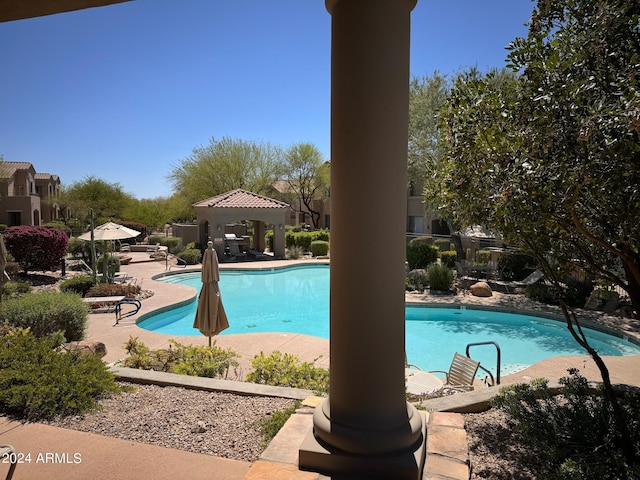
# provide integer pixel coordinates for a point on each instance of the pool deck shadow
(105, 457)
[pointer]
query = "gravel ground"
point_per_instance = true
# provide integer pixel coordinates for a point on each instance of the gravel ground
(496, 453)
(210, 423)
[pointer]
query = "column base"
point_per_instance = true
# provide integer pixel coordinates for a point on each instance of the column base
(317, 456)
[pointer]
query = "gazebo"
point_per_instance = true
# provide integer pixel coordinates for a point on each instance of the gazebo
(214, 213)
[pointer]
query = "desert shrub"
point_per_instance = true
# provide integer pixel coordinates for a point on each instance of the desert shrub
(113, 290)
(426, 239)
(268, 239)
(286, 370)
(47, 312)
(574, 293)
(200, 361)
(36, 382)
(303, 239)
(294, 252)
(191, 255)
(448, 258)
(11, 288)
(443, 244)
(483, 256)
(575, 432)
(515, 265)
(203, 361)
(59, 226)
(420, 254)
(35, 247)
(319, 248)
(271, 424)
(80, 284)
(417, 280)
(440, 277)
(112, 262)
(173, 244)
(78, 248)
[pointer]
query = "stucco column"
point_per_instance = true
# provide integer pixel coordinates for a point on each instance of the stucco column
(366, 425)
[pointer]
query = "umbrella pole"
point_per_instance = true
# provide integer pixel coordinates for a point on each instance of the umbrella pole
(209, 341)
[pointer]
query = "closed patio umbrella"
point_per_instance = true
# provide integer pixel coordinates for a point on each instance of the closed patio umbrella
(211, 318)
(3, 265)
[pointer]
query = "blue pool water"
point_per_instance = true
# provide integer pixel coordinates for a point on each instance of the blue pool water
(296, 300)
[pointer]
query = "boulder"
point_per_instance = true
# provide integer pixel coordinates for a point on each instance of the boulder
(481, 289)
(86, 347)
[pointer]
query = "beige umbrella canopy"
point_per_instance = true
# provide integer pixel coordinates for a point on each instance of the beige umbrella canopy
(110, 231)
(211, 318)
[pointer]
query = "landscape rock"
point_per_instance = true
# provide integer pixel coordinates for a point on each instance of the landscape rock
(481, 289)
(86, 347)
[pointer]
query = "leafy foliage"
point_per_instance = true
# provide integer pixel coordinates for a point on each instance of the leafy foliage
(37, 382)
(308, 178)
(420, 254)
(286, 370)
(550, 156)
(192, 256)
(574, 432)
(319, 248)
(201, 361)
(113, 290)
(440, 277)
(227, 164)
(45, 313)
(36, 248)
(271, 425)
(80, 284)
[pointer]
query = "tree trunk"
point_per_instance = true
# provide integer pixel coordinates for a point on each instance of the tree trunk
(620, 418)
(461, 254)
(631, 269)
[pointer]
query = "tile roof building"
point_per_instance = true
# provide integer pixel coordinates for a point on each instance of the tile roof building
(27, 197)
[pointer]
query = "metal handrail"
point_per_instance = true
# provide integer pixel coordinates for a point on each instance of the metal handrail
(181, 262)
(498, 358)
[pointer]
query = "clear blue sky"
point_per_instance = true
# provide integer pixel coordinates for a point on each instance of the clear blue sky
(125, 92)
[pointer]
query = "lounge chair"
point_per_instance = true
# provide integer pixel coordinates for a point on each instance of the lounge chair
(532, 279)
(8, 455)
(461, 374)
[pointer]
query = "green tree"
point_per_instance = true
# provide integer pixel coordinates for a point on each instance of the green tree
(427, 96)
(308, 178)
(224, 165)
(552, 158)
(108, 201)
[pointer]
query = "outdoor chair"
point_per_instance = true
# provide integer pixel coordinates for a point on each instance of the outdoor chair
(532, 279)
(461, 374)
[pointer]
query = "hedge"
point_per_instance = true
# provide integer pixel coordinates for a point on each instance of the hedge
(47, 312)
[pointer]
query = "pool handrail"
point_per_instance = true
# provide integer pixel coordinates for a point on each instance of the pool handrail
(498, 357)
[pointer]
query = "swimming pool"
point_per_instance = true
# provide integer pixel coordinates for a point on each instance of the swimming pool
(296, 300)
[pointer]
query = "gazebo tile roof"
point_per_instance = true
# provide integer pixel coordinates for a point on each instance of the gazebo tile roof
(240, 199)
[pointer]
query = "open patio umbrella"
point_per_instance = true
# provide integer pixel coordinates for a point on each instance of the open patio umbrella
(110, 231)
(211, 318)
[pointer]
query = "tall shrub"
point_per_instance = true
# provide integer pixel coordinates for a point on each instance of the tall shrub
(36, 248)
(420, 254)
(47, 312)
(37, 382)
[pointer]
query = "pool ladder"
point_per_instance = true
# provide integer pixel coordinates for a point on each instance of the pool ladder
(495, 381)
(127, 301)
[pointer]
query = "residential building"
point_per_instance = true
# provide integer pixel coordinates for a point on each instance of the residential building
(27, 197)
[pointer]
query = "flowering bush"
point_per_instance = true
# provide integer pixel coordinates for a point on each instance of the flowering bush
(36, 248)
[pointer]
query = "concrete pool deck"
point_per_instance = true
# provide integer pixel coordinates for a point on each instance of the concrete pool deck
(105, 457)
